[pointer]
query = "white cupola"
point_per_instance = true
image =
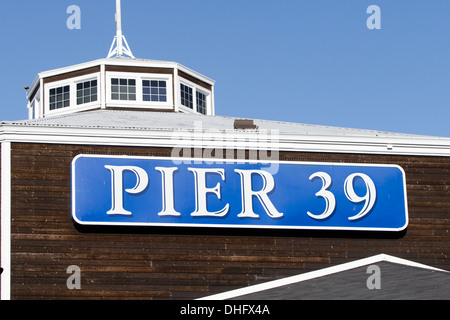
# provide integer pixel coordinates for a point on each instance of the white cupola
(122, 82)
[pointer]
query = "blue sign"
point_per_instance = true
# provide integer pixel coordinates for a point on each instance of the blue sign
(147, 191)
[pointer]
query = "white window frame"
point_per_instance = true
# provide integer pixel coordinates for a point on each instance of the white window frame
(195, 87)
(207, 99)
(87, 103)
(192, 95)
(34, 106)
(72, 83)
(32, 110)
(167, 90)
(139, 102)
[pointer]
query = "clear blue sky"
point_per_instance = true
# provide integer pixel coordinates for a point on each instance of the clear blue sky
(306, 61)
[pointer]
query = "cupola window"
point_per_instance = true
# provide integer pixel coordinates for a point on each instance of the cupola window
(86, 92)
(154, 90)
(186, 96)
(59, 97)
(201, 102)
(123, 89)
(194, 98)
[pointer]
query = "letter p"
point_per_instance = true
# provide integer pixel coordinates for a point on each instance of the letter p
(117, 186)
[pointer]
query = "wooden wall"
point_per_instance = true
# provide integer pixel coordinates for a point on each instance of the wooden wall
(175, 263)
(1, 262)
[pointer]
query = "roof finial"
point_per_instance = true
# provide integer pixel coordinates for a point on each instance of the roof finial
(122, 47)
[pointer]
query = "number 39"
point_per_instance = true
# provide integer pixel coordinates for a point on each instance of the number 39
(330, 201)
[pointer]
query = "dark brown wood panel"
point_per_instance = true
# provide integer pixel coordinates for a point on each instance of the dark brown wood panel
(194, 80)
(139, 69)
(72, 74)
(0, 213)
(175, 263)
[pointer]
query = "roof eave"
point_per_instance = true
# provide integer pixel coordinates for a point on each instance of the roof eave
(235, 140)
(120, 61)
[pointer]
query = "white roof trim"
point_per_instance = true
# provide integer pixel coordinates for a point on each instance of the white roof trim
(235, 140)
(123, 61)
(159, 129)
(317, 274)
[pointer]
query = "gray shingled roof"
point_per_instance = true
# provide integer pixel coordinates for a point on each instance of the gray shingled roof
(399, 279)
(397, 282)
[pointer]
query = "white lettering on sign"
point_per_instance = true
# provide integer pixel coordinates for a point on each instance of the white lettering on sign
(330, 200)
(369, 197)
(117, 186)
(201, 191)
(167, 191)
(247, 192)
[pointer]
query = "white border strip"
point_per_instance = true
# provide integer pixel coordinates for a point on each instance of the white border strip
(6, 221)
(316, 274)
(54, 134)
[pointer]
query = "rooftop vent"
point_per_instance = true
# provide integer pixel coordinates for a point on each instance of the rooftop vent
(244, 124)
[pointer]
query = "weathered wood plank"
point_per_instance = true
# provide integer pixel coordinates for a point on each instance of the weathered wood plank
(151, 263)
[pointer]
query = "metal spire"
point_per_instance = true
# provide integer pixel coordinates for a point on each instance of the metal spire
(121, 46)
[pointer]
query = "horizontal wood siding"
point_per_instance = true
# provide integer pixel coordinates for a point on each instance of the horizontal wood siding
(194, 80)
(1, 262)
(175, 263)
(72, 74)
(139, 69)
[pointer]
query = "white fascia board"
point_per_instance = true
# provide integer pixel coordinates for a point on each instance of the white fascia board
(138, 63)
(385, 145)
(121, 62)
(84, 65)
(126, 62)
(111, 61)
(224, 140)
(196, 74)
(36, 82)
(317, 274)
